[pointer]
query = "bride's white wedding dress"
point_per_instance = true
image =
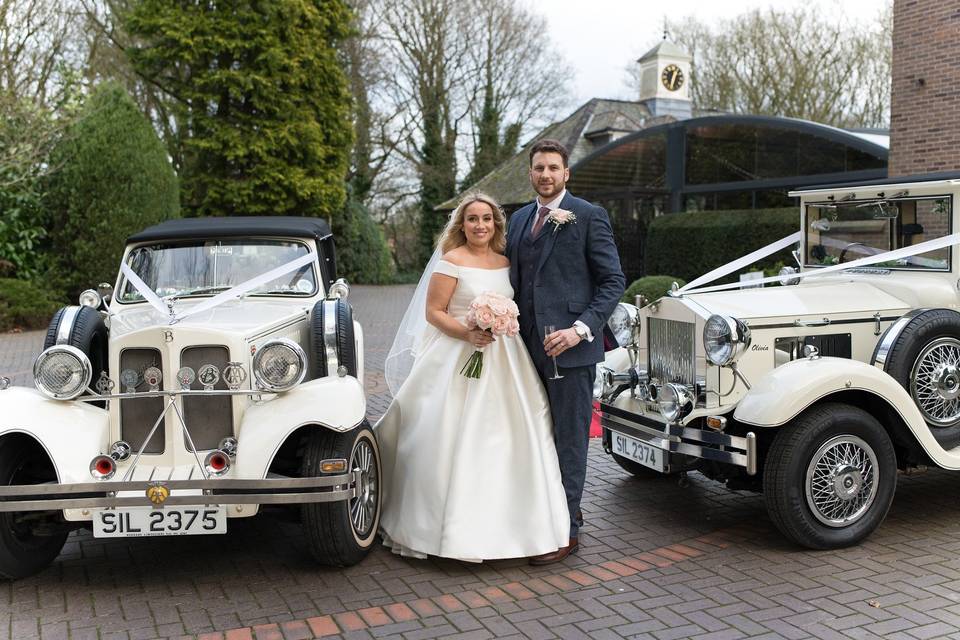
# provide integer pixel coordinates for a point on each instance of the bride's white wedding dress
(469, 465)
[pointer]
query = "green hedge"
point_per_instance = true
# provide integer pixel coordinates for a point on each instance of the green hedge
(650, 287)
(362, 253)
(691, 244)
(25, 305)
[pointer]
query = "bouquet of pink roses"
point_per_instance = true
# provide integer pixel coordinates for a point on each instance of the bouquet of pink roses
(491, 312)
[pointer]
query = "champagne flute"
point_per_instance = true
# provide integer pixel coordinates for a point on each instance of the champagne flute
(547, 330)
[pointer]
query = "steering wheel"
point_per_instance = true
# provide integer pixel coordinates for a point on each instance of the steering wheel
(850, 245)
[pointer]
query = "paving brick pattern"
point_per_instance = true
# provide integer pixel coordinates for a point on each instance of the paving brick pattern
(657, 560)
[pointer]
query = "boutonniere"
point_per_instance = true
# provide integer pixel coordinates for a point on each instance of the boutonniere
(560, 217)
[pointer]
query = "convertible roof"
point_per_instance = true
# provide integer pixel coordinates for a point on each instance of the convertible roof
(186, 228)
(895, 180)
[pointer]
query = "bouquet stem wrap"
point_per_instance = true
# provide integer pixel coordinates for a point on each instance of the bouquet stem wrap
(474, 366)
(496, 314)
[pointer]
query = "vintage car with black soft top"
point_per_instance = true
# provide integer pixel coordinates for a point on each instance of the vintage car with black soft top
(818, 386)
(222, 372)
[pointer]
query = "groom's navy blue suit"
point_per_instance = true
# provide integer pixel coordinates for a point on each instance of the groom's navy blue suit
(565, 274)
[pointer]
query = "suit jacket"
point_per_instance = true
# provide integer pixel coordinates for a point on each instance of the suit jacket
(578, 276)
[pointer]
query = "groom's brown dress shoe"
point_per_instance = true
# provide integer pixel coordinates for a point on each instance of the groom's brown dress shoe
(556, 556)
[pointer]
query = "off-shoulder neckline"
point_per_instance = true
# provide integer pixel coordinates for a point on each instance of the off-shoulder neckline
(458, 266)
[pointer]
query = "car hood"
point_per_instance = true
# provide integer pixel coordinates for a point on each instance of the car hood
(817, 300)
(235, 316)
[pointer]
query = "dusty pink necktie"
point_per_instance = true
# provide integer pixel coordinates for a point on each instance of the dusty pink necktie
(542, 214)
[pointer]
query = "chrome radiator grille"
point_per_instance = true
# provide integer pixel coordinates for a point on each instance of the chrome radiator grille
(137, 415)
(671, 345)
(209, 418)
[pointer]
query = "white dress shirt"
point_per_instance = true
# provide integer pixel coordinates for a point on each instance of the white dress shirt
(555, 204)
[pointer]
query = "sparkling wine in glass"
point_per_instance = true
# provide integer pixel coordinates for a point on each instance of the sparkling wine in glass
(547, 330)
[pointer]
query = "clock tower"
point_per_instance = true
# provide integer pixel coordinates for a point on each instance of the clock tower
(665, 80)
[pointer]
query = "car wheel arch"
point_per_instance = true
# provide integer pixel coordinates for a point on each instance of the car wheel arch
(285, 459)
(33, 441)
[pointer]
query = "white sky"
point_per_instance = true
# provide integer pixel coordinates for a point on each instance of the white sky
(601, 37)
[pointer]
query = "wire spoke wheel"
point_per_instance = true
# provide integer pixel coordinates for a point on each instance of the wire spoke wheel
(363, 508)
(841, 480)
(935, 382)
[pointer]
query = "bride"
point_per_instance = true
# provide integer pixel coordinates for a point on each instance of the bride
(469, 465)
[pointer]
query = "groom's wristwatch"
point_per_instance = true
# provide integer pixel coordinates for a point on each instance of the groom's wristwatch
(581, 331)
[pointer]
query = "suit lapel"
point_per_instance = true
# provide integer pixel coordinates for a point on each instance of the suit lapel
(520, 217)
(551, 240)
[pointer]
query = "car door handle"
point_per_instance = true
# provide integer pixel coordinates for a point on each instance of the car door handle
(812, 323)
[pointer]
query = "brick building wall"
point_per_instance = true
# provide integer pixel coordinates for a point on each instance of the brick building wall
(925, 91)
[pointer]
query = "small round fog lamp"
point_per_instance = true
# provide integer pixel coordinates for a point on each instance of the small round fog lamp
(674, 401)
(90, 298)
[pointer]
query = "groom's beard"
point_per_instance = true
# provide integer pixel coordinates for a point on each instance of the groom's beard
(555, 190)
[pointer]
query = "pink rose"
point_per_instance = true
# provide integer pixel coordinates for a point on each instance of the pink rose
(499, 305)
(485, 318)
(513, 327)
(482, 300)
(471, 318)
(501, 325)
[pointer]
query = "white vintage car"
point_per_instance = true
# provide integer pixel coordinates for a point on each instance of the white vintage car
(223, 372)
(816, 388)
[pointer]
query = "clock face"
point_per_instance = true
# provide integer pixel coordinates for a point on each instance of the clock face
(672, 77)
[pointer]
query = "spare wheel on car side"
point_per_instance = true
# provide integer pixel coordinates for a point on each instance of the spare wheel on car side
(331, 329)
(924, 358)
(81, 327)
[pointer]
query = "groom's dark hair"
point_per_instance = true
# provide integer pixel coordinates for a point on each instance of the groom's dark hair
(548, 145)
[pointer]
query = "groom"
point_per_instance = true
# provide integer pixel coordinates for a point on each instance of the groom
(565, 272)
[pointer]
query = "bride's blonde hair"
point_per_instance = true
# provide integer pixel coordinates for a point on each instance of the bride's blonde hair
(453, 236)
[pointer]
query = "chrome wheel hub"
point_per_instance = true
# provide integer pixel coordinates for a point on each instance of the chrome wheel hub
(363, 508)
(847, 482)
(935, 382)
(841, 482)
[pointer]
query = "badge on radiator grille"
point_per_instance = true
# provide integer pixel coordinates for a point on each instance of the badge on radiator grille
(157, 494)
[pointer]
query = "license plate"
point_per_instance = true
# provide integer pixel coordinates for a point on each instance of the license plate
(133, 522)
(639, 451)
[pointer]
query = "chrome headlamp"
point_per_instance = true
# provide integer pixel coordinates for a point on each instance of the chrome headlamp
(279, 365)
(62, 372)
(725, 339)
(674, 401)
(622, 322)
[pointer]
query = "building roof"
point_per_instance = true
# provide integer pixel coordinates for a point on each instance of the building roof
(234, 227)
(508, 183)
(666, 48)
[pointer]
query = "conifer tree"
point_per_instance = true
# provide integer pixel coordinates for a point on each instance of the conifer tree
(262, 104)
(112, 178)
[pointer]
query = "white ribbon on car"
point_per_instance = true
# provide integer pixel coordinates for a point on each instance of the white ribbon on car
(739, 263)
(905, 252)
(148, 294)
(220, 298)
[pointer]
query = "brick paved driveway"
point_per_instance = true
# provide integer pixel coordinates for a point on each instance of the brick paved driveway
(657, 561)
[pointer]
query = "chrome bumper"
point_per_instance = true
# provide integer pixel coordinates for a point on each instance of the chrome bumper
(681, 440)
(271, 490)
